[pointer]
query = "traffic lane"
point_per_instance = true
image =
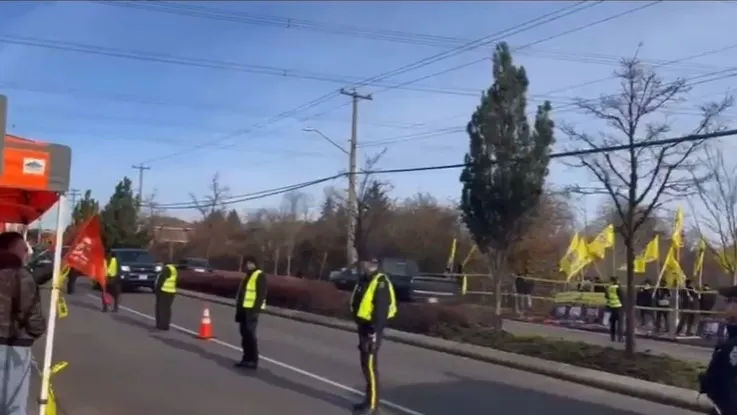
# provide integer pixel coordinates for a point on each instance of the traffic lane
(656, 347)
(423, 380)
(118, 365)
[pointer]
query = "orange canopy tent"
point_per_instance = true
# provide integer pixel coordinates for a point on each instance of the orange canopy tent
(33, 175)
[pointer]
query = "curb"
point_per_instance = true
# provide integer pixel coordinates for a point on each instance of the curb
(651, 391)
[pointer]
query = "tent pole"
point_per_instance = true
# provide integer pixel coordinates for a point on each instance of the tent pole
(46, 373)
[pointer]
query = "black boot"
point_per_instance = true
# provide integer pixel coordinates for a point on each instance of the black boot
(246, 364)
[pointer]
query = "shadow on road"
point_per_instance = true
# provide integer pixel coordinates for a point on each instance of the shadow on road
(262, 374)
(466, 395)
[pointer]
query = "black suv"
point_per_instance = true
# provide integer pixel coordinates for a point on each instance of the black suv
(136, 268)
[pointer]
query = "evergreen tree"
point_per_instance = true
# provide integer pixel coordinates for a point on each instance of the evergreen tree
(506, 165)
(120, 219)
(85, 209)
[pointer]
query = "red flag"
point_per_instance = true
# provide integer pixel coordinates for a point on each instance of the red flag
(86, 253)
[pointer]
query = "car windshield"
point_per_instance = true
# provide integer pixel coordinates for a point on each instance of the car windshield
(140, 257)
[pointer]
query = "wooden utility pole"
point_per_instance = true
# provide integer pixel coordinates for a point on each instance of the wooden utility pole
(351, 253)
(140, 169)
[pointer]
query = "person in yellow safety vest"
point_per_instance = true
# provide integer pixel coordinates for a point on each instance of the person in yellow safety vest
(373, 304)
(614, 306)
(112, 284)
(165, 289)
(251, 299)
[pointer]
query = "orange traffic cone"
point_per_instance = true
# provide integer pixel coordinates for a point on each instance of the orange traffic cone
(205, 325)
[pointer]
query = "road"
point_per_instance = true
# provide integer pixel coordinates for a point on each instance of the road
(676, 350)
(118, 365)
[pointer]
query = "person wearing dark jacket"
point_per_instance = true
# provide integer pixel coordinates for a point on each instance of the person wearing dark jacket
(373, 304)
(165, 289)
(662, 301)
(645, 299)
(688, 300)
(21, 322)
(719, 382)
(249, 302)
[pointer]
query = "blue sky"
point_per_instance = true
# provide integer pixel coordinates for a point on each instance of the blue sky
(116, 112)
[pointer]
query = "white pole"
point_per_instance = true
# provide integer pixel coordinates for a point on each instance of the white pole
(48, 350)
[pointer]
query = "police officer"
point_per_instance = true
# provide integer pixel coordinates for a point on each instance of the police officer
(719, 382)
(165, 289)
(251, 299)
(112, 284)
(373, 303)
(614, 306)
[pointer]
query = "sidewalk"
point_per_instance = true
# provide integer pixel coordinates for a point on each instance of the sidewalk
(676, 350)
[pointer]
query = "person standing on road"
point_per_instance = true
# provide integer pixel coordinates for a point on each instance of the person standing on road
(21, 323)
(251, 299)
(165, 289)
(614, 306)
(645, 299)
(373, 303)
(112, 285)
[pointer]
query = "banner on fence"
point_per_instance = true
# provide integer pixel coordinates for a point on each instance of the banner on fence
(577, 297)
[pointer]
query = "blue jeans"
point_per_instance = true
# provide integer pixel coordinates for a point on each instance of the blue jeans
(15, 374)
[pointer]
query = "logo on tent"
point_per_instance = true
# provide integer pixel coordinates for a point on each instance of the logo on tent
(34, 166)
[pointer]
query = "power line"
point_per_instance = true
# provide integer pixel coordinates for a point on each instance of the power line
(574, 153)
(527, 25)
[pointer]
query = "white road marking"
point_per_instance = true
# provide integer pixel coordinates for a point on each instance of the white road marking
(274, 362)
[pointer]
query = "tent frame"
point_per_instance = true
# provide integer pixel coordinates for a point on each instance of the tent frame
(53, 302)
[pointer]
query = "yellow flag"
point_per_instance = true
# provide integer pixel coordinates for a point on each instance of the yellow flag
(469, 256)
(51, 403)
(700, 252)
(640, 265)
(726, 260)
(580, 257)
(677, 237)
(673, 274)
(62, 308)
(452, 256)
(652, 250)
(604, 240)
(565, 261)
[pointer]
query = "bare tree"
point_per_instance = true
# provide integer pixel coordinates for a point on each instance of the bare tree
(637, 179)
(211, 207)
(213, 201)
(718, 196)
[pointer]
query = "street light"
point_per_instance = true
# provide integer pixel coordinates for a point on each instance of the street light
(321, 134)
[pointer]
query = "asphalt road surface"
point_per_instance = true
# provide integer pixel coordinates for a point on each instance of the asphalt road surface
(119, 365)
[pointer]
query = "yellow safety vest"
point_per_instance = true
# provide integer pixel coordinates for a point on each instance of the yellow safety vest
(366, 306)
(613, 297)
(112, 268)
(170, 283)
(249, 297)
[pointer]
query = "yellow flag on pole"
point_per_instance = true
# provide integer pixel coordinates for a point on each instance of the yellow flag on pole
(672, 272)
(700, 252)
(652, 250)
(726, 260)
(602, 241)
(452, 255)
(677, 237)
(565, 261)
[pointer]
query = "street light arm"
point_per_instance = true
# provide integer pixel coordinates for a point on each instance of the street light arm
(320, 133)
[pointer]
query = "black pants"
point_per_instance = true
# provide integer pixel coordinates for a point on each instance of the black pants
(613, 322)
(113, 287)
(369, 365)
(687, 320)
(71, 282)
(645, 317)
(163, 309)
(661, 317)
(249, 342)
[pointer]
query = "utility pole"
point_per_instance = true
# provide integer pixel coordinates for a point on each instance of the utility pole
(140, 169)
(351, 253)
(73, 194)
